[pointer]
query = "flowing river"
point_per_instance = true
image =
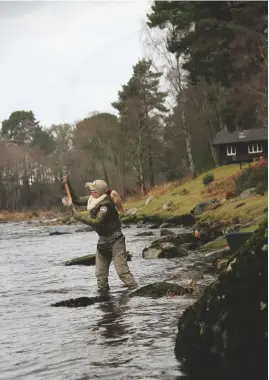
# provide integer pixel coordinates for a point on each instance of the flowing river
(124, 338)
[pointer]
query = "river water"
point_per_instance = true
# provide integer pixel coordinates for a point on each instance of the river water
(124, 338)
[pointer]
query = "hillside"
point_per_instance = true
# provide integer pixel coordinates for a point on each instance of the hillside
(185, 195)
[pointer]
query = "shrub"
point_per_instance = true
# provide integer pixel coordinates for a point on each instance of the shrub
(208, 178)
(256, 177)
(229, 195)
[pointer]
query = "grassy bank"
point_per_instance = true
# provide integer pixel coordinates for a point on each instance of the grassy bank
(7, 216)
(185, 195)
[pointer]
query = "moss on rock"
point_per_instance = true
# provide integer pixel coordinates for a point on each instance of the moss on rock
(87, 260)
(161, 289)
(226, 330)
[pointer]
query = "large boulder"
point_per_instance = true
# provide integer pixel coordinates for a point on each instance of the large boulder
(154, 226)
(145, 233)
(187, 276)
(168, 246)
(165, 232)
(87, 260)
(225, 332)
(201, 207)
(209, 231)
(161, 289)
(167, 205)
(149, 199)
(247, 193)
(153, 219)
(131, 211)
(185, 220)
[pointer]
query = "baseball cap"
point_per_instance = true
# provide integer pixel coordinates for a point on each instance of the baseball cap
(99, 186)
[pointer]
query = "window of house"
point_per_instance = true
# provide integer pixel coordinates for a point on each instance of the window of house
(231, 150)
(254, 148)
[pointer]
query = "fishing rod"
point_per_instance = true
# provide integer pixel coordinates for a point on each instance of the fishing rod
(67, 201)
(68, 193)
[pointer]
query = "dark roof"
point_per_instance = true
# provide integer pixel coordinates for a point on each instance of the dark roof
(225, 137)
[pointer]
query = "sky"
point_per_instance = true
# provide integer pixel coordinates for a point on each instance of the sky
(64, 60)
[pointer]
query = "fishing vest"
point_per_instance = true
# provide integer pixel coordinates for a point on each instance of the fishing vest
(112, 221)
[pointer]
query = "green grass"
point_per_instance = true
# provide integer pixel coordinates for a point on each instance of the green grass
(182, 204)
(216, 244)
(252, 209)
(251, 228)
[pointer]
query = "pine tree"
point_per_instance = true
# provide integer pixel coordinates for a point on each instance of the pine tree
(141, 108)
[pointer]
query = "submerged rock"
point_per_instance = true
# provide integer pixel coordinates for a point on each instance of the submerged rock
(226, 330)
(85, 229)
(59, 233)
(83, 260)
(87, 260)
(161, 289)
(165, 232)
(168, 246)
(81, 301)
(189, 246)
(167, 225)
(190, 275)
(146, 233)
(154, 226)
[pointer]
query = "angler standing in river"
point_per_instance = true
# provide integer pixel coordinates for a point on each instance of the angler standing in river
(102, 215)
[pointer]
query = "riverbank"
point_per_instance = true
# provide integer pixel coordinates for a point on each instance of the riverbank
(225, 331)
(9, 216)
(218, 201)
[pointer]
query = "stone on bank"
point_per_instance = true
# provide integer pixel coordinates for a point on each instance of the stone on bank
(169, 246)
(87, 260)
(225, 331)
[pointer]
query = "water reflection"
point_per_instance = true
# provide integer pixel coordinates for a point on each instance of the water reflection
(112, 325)
(119, 338)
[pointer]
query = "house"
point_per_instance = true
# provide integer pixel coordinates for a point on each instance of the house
(241, 146)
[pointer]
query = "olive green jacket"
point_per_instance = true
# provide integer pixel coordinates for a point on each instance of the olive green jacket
(104, 218)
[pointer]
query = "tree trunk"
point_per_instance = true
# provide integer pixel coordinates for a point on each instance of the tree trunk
(213, 152)
(188, 147)
(151, 172)
(141, 178)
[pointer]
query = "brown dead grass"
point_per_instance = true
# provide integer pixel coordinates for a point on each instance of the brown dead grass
(221, 187)
(167, 187)
(6, 216)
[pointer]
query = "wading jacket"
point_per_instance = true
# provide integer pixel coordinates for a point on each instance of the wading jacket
(104, 218)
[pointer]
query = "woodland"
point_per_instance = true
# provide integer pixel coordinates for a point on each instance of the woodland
(205, 70)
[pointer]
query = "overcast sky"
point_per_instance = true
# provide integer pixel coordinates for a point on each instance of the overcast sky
(63, 60)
